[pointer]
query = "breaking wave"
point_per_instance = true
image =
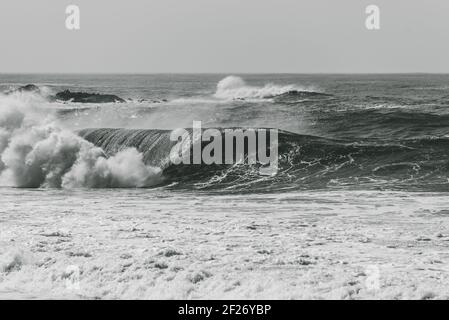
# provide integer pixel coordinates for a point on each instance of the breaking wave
(36, 152)
(232, 88)
(305, 162)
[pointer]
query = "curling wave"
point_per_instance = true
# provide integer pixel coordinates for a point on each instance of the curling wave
(36, 152)
(305, 162)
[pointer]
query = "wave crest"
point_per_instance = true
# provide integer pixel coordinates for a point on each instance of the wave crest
(36, 152)
(233, 87)
(305, 162)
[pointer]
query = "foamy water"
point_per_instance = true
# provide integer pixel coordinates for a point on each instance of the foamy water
(149, 245)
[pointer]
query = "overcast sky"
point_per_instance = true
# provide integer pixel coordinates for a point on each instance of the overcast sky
(288, 36)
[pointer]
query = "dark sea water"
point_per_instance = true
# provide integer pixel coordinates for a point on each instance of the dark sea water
(356, 132)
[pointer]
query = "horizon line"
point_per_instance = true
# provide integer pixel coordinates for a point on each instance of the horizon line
(223, 73)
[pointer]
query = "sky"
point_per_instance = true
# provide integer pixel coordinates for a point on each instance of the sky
(224, 36)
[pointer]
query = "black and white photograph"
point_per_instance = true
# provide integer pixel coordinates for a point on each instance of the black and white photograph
(224, 150)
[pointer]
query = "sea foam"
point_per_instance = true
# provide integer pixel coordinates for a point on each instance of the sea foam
(37, 152)
(233, 87)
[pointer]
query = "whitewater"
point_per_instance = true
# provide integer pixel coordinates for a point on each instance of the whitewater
(91, 208)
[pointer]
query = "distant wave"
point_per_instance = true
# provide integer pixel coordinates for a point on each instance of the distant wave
(295, 95)
(229, 88)
(234, 88)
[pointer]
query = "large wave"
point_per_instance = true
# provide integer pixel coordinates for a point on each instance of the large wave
(305, 162)
(36, 152)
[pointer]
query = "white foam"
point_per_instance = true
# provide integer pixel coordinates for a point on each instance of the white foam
(13, 259)
(37, 152)
(233, 87)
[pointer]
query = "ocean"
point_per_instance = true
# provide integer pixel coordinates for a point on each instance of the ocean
(91, 208)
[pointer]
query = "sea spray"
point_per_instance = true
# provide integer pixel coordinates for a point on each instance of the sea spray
(36, 152)
(126, 169)
(233, 87)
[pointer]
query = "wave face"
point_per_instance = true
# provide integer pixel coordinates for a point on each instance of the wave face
(154, 145)
(305, 162)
